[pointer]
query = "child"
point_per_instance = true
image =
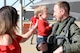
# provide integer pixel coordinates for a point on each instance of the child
(44, 28)
(32, 23)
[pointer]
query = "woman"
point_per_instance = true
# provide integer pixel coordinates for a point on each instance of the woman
(9, 41)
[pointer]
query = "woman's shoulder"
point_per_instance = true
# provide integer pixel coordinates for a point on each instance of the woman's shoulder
(6, 43)
(5, 39)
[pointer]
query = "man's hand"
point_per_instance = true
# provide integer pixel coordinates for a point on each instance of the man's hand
(43, 46)
(59, 50)
(50, 25)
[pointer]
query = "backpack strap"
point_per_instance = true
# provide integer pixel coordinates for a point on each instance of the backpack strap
(51, 36)
(66, 29)
(60, 39)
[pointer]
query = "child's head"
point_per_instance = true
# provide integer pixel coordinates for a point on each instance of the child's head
(42, 12)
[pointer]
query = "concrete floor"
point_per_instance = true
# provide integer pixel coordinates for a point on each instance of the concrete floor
(28, 48)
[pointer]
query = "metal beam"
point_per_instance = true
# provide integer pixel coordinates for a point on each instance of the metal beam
(4, 2)
(21, 17)
(15, 2)
(31, 1)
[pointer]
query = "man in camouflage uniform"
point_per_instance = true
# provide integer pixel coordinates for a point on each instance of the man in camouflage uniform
(61, 13)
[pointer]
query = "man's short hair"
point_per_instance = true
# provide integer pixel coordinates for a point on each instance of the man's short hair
(65, 5)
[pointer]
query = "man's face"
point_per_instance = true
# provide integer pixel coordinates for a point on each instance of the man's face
(57, 13)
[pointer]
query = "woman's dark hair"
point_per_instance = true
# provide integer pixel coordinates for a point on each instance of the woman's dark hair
(8, 16)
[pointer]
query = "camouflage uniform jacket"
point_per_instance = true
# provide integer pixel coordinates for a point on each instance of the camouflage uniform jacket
(74, 36)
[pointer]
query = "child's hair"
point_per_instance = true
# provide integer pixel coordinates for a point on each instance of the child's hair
(35, 10)
(39, 9)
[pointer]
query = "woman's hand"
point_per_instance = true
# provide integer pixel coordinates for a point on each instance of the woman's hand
(36, 24)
